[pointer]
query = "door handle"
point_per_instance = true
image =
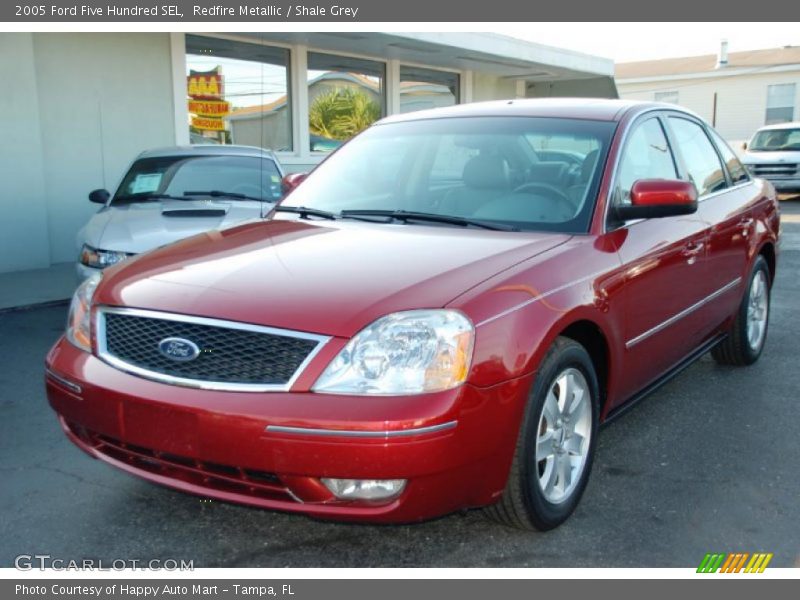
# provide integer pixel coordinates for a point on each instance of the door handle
(691, 250)
(745, 224)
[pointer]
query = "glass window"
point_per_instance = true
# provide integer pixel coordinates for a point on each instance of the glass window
(699, 156)
(669, 97)
(427, 88)
(735, 167)
(646, 156)
(181, 176)
(238, 93)
(776, 140)
(345, 96)
(780, 103)
(481, 168)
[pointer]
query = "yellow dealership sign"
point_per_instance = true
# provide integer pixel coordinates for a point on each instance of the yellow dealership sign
(210, 108)
(208, 123)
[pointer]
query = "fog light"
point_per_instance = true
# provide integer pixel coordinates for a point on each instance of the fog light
(365, 489)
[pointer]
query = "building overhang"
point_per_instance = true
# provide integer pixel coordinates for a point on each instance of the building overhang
(499, 55)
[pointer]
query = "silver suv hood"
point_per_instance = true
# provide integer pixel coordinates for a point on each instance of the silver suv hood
(771, 157)
(137, 228)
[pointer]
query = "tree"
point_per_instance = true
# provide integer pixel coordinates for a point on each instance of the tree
(341, 113)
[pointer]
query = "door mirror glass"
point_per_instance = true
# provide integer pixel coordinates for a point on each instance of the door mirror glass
(99, 196)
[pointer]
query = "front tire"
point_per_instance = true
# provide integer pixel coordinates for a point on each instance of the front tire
(556, 444)
(747, 335)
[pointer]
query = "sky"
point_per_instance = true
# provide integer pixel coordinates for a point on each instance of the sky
(626, 42)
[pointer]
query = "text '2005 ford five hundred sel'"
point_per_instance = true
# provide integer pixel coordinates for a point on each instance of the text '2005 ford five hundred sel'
(438, 318)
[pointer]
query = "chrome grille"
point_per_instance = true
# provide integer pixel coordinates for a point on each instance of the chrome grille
(767, 170)
(232, 356)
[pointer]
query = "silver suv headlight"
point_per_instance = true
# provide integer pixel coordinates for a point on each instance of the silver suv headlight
(100, 259)
(409, 352)
(80, 311)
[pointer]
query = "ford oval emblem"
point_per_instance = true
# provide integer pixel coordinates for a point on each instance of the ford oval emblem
(178, 349)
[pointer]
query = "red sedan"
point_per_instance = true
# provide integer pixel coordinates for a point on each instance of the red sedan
(438, 318)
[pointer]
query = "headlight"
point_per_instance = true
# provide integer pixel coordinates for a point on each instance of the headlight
(403, 353)
(79, 320)
(100, 259)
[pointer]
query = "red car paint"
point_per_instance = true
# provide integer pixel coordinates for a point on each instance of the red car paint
(520, 289)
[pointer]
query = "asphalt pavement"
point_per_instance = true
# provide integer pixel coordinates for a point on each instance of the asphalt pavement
(709, 463)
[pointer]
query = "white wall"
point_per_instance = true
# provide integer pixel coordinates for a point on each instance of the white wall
(741, 99)
(24, 242)
(81, 107)
(103, 98)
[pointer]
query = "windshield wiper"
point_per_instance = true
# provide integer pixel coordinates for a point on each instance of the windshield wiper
(221, 194)
(306, 212)
(405, 216)
(145, 198)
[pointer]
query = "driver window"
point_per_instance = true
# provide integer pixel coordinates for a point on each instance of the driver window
(646, 156)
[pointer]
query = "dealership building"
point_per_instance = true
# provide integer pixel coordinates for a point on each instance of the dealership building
(78, 107)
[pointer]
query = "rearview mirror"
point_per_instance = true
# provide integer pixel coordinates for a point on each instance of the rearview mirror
(655, 198)
(99, 196)
(291, 181)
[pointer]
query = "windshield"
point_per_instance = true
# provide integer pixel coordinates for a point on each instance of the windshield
(175, 176)
(775, 140)
(521, 172)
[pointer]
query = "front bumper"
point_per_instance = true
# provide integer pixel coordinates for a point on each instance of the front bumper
(83, 272)
(271, 449)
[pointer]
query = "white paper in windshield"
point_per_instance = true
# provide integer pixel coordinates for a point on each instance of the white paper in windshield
(145, 183)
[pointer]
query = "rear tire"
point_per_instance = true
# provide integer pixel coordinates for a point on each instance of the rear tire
(748, 333)
(556, 443)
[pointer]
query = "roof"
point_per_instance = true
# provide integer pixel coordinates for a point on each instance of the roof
(569, 108)
(671, 67)
(793, 125)
(206, 150)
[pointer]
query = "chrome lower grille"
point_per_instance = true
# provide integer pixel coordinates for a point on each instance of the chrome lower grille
(226, 355)
(767, 170)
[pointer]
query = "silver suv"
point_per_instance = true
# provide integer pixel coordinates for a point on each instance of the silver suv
(774, 154)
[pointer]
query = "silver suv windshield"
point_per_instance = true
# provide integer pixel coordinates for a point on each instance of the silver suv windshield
(524, 173)
(776, 140)
(189, 177)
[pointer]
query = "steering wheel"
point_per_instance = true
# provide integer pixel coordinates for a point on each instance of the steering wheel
(248, 189)
(559, 203)
(543, 189)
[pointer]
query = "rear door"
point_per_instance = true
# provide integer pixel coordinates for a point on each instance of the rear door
(664, 263)
(724, 191)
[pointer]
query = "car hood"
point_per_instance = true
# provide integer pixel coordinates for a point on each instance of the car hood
(139, 227)
(330, 278)
(764, 158)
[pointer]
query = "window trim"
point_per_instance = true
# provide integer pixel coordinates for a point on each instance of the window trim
(685, 174)
(731, 183)
(298, 79)
(655, 113)
(457, 73)
(290, 77)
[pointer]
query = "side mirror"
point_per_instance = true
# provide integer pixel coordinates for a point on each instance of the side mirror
(744, 145)
(291, 181)
(655, 198)
(99, 196)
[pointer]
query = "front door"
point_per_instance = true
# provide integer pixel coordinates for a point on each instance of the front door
(665, 267)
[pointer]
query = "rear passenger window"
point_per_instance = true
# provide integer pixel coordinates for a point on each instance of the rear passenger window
(646, 156)
(699, 156)
(735, 168)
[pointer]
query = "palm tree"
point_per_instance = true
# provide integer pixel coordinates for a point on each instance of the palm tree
(341, 113)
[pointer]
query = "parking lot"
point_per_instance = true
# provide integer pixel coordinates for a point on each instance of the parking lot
(706, 464)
